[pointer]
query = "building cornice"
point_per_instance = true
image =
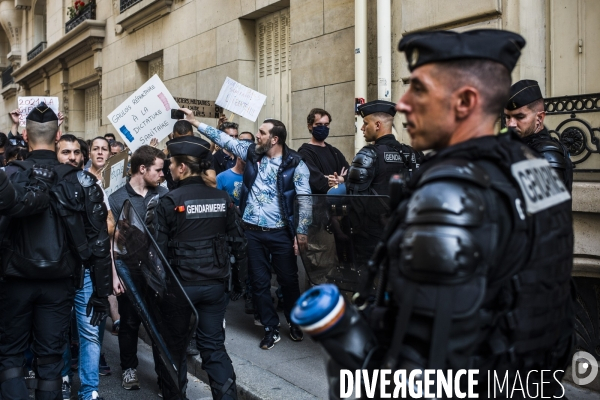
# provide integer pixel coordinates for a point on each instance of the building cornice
(85, 38)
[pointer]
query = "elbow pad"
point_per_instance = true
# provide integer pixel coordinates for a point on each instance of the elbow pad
(101, 265)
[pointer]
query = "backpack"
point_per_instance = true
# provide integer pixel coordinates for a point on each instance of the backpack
(37, 246)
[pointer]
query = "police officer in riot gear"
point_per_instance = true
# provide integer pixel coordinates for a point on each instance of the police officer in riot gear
(374, 164)
(481, 250)
(524, 112)
(199, 233)
(42, 255)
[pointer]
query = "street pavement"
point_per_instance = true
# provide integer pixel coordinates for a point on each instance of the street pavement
(110, 386)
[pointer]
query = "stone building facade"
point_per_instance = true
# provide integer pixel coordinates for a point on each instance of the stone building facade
(301, 54)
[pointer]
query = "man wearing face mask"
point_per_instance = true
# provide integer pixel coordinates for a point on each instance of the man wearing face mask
(524, 112)
(326, 164)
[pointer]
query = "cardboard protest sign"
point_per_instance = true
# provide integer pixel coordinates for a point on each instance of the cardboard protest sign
(145, 115)
(114, 175)
(26, 104)
(240, 99)
(200, 108)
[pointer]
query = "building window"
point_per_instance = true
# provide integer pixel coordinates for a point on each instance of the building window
(273, 65)
(92, 111)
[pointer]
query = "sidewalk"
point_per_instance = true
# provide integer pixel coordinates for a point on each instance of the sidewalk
(290, 370)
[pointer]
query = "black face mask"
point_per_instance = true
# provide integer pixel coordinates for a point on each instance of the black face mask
(320, 132)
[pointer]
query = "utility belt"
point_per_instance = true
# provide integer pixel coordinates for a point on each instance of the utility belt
(256, 228)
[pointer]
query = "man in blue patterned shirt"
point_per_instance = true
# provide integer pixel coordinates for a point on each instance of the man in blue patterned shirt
(274, 176)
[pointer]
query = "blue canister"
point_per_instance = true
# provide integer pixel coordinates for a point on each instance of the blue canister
(319, 309)
(323, 313)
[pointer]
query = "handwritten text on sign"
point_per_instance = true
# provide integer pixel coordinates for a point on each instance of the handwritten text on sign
(240, 99)
(26, 104)
(117, 180)
(145, 115)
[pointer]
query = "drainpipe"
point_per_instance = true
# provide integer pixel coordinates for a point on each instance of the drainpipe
(384, 50)
(360, 66)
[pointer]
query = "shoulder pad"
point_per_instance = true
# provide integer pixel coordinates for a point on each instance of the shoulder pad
(552, 152)
(457, 169)
(362, 169)
(22, 164)
(448, 203)
(86, 179)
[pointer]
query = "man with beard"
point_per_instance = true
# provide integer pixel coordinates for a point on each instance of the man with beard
(274, 176)
(524, 112)
(326, 164)
(68, 151)
(143, 191)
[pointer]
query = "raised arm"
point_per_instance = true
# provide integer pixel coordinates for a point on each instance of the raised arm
(237, 147)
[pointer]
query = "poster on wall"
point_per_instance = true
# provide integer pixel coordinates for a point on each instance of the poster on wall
(145, 115)
(240, 99)
(28, 103)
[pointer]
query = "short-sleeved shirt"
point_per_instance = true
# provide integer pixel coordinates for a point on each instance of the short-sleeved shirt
(230, 182)
(139, 203)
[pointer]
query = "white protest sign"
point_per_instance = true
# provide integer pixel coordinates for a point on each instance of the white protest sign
(26, 104)
(114, 173)
(145, 115)
(240, 99)
(117, 180)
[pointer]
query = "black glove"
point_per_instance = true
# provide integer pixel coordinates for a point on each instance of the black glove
(100, 306)
(44, 175)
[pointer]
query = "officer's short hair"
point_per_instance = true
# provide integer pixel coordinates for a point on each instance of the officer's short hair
(278, 130)
(41, 132)
(145, 155)
(183, 128)
(111, 135)
(313, 113)
(491, 79)
(537, 105)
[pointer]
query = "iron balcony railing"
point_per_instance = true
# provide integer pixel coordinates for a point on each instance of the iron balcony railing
(7, 77)
(36, 50)
(88, 12)
(125, 4)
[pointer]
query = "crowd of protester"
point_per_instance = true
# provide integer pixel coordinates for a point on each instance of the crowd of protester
(149, 174)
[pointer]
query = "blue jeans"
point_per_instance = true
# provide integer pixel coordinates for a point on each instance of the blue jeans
(89, 343)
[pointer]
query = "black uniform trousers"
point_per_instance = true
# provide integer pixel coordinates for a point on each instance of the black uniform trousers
(36, 312)
(210, 302)
(130, 323)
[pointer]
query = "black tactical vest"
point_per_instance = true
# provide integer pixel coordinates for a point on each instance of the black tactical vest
(482, 263)
(374, 165)
(199, 250)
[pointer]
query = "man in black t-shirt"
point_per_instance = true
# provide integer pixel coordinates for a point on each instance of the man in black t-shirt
(325, 162)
